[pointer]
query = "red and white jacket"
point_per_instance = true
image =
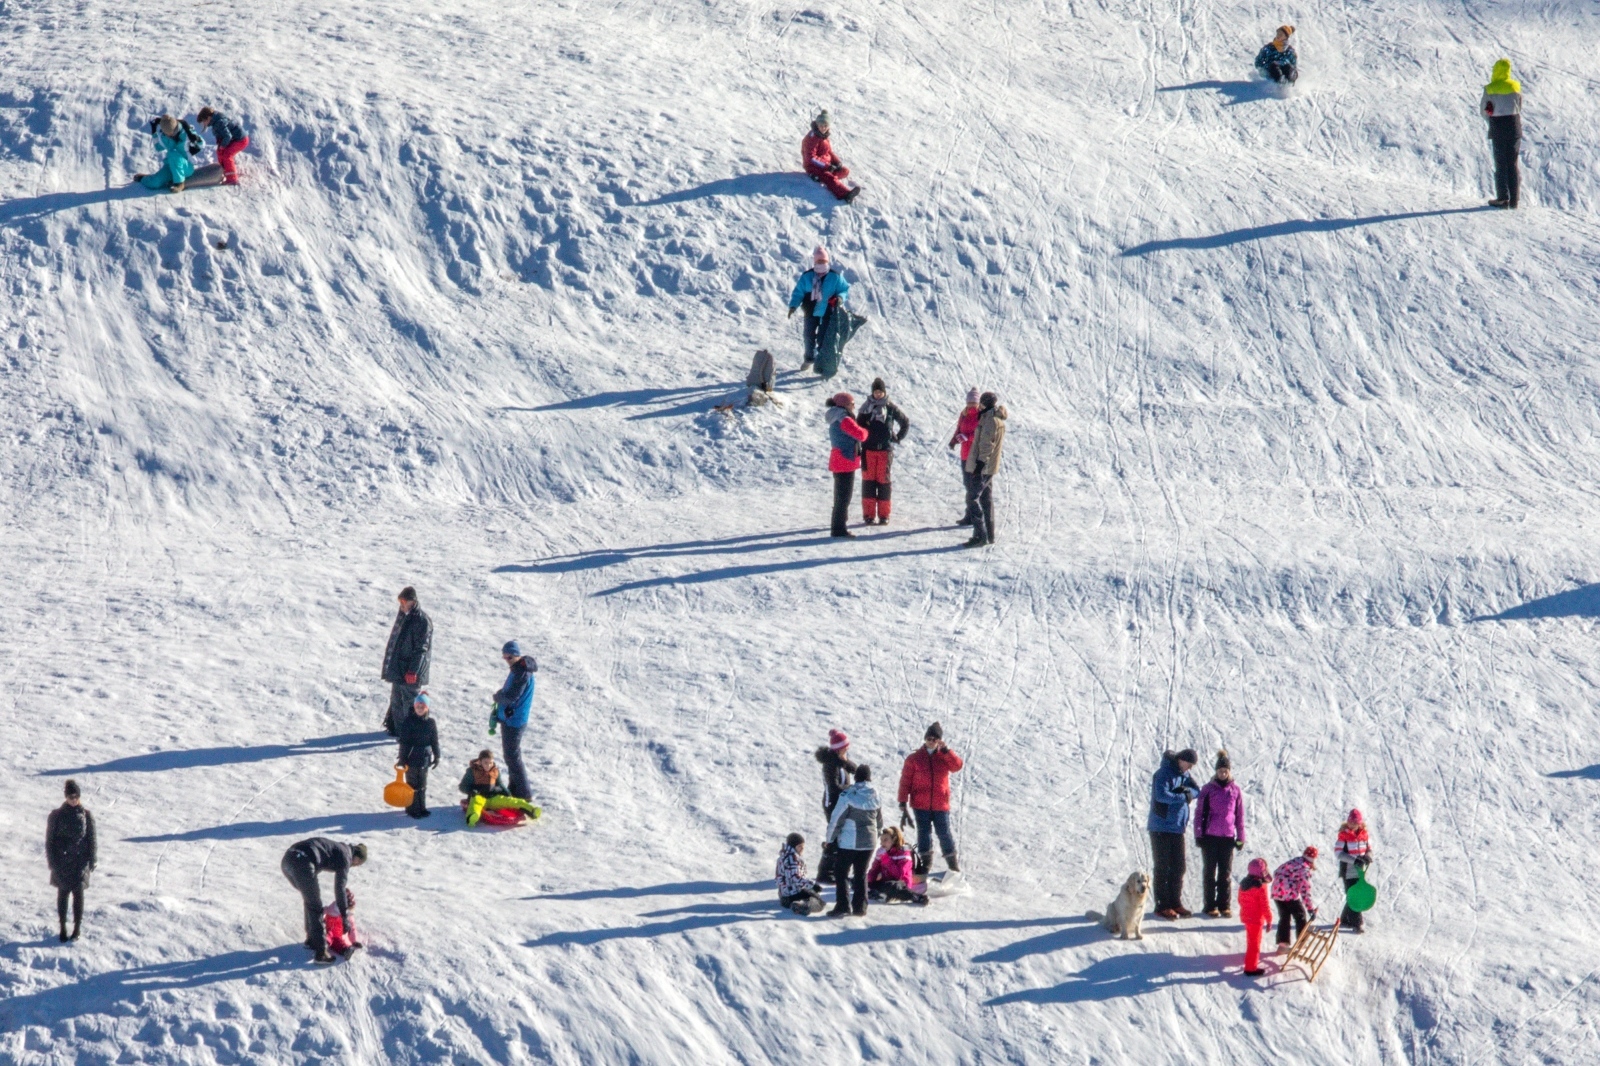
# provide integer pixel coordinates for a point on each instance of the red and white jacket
(1353, 849)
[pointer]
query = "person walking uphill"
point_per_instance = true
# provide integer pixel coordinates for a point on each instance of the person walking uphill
(886, 426)
(419, 753)
(822, 164)
(71, 851)
(302, 863)
(1171, 792)
(231, 140)
(983, 463)
(853, 830)
(177, 141)
(513, 705)
(925, 787)
(846, 435)
(405, 659)
(1219, 830)
(1277, 60)
(1502, 107)
(818, 292)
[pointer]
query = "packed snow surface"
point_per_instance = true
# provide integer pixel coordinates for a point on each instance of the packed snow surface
(1301, 463)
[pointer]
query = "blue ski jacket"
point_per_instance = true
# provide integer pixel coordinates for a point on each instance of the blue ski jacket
(1171, 792)
(832, 285)
(514, 702)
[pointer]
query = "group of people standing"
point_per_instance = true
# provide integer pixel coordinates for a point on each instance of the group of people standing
(862, 857)
(1218, 824)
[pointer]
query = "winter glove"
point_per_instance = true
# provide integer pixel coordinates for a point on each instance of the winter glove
(1238, 845)
(434, 765)
(791, 312)
(494, 720)
(834, 168)
(411, 678)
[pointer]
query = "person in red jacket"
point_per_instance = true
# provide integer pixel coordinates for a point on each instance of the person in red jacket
(846, 436)
(925, 785)
(824, 167)
(966, 428)
(1255, 910)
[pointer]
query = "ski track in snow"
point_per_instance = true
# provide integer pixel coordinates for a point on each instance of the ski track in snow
(1298, 464)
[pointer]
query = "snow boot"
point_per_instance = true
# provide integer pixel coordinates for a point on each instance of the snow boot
(1499, 203)
(976, 542)
(77, 930)
(842, 533)
(922, 862)
(950, 862)
(322, 958)
(965, 520)
(1212, 912)
(64, 932)
(850, 196)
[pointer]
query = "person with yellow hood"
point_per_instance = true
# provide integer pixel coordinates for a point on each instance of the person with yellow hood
(1502, 107)
(1277, 60)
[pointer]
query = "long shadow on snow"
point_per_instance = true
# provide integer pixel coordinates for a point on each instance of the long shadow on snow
(185, 758)
(1126, 975)
(790, 183)
(589, 937)
(1573, 603)
(629, 398)
(727, 572)
(1589, 773)
(594, 560)
(1288, 229)
(679, 888)
(105, 993)
(347, 824)
(1086, 931)
(35, 207)
(878, 934)
(1237, 92)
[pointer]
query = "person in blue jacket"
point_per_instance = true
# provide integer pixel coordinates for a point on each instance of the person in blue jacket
(177, 141)
(512, 706)
(1276, 60)
(1171, 792)
(818, 291)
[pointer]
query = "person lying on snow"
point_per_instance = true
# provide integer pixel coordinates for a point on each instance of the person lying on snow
(177, 140)
(796, 891)
(890, 876)
(485, 791)
(1276, 60)
(341, 929)
(825, 167)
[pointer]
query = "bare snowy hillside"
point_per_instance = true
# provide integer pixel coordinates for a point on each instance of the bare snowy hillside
(1301, 463)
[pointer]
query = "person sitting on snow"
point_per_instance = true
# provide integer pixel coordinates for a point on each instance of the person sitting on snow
(341, 929)
(796, 891)
(176, 140)
(485, 791)
(1276, 60)
(231, 140)
(890, 876)
(824, 167)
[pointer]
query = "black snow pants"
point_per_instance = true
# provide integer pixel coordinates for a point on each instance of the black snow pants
(1348, 918)
(811, 329)
(76, 894)
(1505, 134)
(980, 504)
(1217, 860)
(1281, 72)
(807, 902)
(850, 888)
(1168, 863)
(1290, 910)
(516, 773)
(302, 874)
(417, 778)
(844, 487)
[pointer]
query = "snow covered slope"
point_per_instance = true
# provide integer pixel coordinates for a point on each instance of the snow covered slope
(1301, 463)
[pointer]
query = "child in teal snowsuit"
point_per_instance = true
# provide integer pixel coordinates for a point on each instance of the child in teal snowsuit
(171, 140)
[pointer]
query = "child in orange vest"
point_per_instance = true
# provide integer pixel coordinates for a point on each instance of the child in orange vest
(1354, 852)
(1255, 910)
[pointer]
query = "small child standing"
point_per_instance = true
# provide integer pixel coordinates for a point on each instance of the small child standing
(795, 890)
(1291, 891)
(890, 877)
(1354, 853)
(1256, 913)
(341, 934)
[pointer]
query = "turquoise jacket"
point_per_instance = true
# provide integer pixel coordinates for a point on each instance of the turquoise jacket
(178, 169)
(832, 285)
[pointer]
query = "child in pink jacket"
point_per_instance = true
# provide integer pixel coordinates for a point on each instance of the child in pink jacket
(1291, 891)
(890, 876)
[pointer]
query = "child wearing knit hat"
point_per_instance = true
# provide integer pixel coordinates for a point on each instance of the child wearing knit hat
(1354, 852)
(1256, 912)
(966, 429)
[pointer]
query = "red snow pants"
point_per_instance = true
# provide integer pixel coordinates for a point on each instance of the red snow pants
(1252, 946)
(875, 485)
(830, 179)
(230, 174)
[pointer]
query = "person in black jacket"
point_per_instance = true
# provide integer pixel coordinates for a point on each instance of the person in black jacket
(886, 426)
(405, 659)
(419, 753)
(302, 863)
(837, 770)
(69, 847)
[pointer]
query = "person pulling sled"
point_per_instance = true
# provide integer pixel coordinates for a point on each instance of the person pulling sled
(1277, 60)
(818, 292)
(822, 164)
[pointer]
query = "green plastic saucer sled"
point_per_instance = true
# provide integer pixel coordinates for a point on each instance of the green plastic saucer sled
(1361, 896)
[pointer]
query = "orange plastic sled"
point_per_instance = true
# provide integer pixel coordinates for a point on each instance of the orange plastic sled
(397, 793)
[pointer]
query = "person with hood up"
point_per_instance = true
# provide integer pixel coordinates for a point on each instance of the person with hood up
(231, 140)
(846, 435)
(419, 753)
(982, 464)
(72, 852)
(1353, 851)
(406, 658)
(886, 426)
(1291, 891)
(796, 891)
(822, 164)
(925, 788)
(513, 705)
(1277, 60)
(485, 791)
(966, 426)
(302, 863)
(1219, 830)
(837, 769)
(1501, 106)
(1256, 913)
(177, 141)
(1171, 792)
(818, 292)
(853, 830)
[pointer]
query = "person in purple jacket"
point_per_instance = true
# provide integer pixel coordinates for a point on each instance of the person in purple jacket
(1219, 830)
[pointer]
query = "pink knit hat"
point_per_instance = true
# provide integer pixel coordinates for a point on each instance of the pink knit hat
(837, 741)
(1355, 815)
(1258, 867)
(972, 397)
(819, 255)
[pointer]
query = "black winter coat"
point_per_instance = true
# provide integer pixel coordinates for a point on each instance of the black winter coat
(836, 774)
(410, 648)
(329, 856)
(69, 846)
(419, 735)
(879, 419)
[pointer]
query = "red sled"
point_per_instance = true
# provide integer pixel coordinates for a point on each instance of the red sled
(505, 818)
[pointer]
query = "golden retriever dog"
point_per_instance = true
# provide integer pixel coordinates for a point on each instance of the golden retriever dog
(1126, 913)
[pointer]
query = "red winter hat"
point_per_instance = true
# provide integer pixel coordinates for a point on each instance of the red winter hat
(1355, 815)
(837, 741)
(1258, 867)
(1310, 852)
(845, 400)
